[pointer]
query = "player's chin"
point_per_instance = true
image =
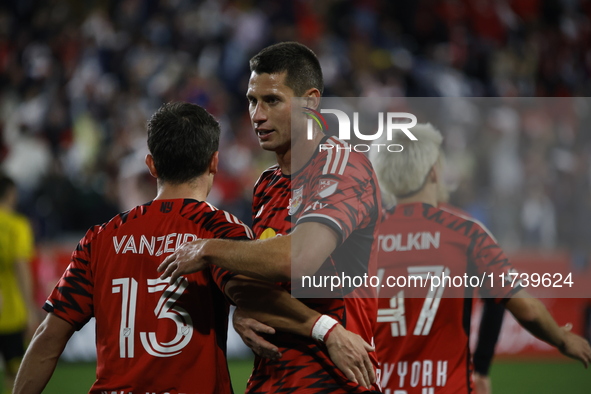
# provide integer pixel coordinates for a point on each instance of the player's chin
(268, 145)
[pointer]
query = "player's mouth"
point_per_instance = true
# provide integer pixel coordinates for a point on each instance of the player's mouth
(264, 134)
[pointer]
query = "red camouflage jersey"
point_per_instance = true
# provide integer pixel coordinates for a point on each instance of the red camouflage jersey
(151, 336)
(340, 191)
(422, 335)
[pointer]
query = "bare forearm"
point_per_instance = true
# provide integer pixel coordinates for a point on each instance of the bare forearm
(546, 329)
(263, 259)
(272, 305)
(276, 259)
(35, 371)
(534, 317)
(301, 325)
(42, 355)
(269, 259)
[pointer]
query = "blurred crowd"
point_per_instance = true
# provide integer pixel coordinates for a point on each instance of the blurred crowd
(80, 78)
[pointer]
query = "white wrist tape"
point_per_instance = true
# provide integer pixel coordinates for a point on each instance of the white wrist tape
(322, 326)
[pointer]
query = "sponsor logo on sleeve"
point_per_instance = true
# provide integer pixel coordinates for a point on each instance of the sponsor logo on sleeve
(326, 187)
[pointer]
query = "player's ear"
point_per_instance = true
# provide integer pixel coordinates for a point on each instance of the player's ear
(213, 163)
(151, 166)
(312, 98)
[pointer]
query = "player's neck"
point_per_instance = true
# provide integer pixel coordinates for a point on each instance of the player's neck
(284, 161)
(427, 195)
(197, 189)
(304, 149)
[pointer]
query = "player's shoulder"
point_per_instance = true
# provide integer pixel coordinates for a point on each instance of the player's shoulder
(339, 158)
(217, 221)
(220, 214)
(100, 232)
(272, 181)
(454, 209)
(91, 236)
(270, 173)
(462, 222)
(121, 219)
(202, 211)
(440, 218)
(272, 169)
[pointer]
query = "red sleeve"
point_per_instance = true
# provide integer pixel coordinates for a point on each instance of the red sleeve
(490, 260)
(343, 200)
(72, 297)
(228, 226)
(221, 276)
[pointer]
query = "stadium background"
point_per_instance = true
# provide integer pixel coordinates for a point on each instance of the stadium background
(79, 80)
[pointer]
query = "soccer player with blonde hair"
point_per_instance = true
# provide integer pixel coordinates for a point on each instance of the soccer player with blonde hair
(423, 333)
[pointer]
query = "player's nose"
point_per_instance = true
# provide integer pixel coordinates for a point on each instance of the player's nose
(258, 115)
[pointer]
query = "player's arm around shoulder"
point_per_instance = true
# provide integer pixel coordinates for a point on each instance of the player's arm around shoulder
(263, 259)
(311, 244)
(229, 247)
(276, 259)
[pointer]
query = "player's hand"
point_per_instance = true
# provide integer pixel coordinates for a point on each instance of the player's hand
(185, 260)
(575, 346)
(349, 352)
(482, 383)
(249, 330)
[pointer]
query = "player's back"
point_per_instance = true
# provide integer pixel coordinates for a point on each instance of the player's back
(422, 333)
(152, 336)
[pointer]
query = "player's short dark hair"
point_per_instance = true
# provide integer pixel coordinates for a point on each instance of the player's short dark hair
(182, 138)
(302, 65)
(6, 184)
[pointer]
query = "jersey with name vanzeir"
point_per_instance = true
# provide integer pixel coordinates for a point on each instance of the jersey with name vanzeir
(422, 333)
(151, 336)
(339, 190)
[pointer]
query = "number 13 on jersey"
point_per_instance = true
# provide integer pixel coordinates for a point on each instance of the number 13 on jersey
(165, 309)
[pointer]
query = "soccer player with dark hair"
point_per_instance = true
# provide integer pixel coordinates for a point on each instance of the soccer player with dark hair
(422, 335)
(152, 336)
(300, 65)
(334, 229)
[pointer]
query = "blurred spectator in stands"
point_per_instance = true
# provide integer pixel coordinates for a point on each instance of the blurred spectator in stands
(79, 78)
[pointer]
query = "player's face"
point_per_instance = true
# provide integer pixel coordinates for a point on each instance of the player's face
(270, 110)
